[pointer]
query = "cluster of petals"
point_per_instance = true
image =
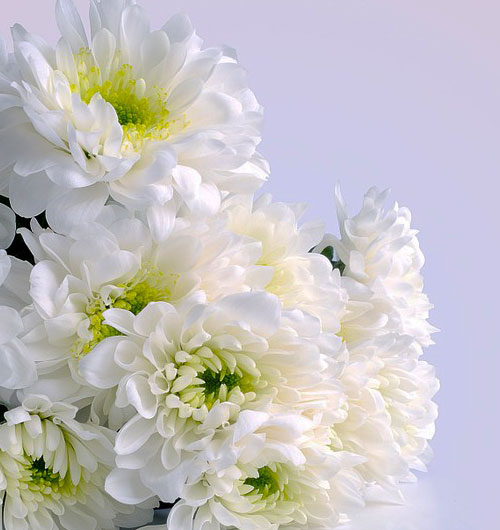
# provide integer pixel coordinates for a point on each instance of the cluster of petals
(176, 336)
(149, 118)
(390, 414)
(53, 468)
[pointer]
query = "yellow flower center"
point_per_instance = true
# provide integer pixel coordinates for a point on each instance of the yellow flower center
(149, 286)
(141, 110)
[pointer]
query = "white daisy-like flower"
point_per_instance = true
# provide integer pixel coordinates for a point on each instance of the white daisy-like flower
(390, 414)
(301, 279)
(188, 372)
(380, 250)
(269, 472)
(117, 264)
(52, 471)
(146, 117)
(17, 370)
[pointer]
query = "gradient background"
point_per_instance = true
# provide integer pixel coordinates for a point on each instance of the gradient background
(406, 95)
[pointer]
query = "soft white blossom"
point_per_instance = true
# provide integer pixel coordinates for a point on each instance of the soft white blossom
(267, 472)
(389, 412)
(381, 251)
(189, 372)
(301, 279)
(117, 264)
(52, 471)
(146, 117)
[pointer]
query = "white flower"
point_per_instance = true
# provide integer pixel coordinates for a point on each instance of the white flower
(188, 372)
(390, 414)
(117, 264)
(7, 226)
(146, 117)
(301, 279)
(380, 250)
(52, 471)
(17, 370)
(268, 472)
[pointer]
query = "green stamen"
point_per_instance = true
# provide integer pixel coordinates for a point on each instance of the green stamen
(135, 297)
(44, 479)
(266, 483)
(213, 382)
(142, 112)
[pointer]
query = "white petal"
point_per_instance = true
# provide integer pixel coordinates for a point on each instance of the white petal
(161, 219)
(184, 95)
(76, 207)
(140, 396)
(154, 49)
(134, 435)
(70, 25)
(16, 369)
(99, 368)
(178, 28)
(181, 516)
(103, 48)
(133, 31)
(125, 486)
(7, 226)
(260, 310)
(30, 195)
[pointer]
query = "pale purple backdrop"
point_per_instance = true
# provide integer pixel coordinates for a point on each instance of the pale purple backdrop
(401, 94)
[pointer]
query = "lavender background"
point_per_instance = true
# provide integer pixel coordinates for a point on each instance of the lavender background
(402, 94)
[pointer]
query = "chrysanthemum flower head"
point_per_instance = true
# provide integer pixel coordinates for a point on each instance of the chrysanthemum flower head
(381, 251)
(52, 471)
(117, 264)
(301, 279)
(189, 372)
(269, 472)
(146, 117)
(389, 410)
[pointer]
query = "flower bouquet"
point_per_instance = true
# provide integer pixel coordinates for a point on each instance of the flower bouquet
(170, 335)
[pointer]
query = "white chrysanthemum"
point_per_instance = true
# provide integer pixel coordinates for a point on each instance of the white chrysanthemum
(301, 279)
(17, 370)
(146, 117)
(52, 471)
(390, 414)
(188, 372)
(117, 264)
(269, 472)
(7, 226)
(381, 251)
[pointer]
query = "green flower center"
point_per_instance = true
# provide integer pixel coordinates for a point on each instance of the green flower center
(267, 483)
(192, 383)
(43, 478)
(141, 110)
(214, 381)
(136, 295)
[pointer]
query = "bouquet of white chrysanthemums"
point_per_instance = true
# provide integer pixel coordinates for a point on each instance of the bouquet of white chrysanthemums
(170, 338)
